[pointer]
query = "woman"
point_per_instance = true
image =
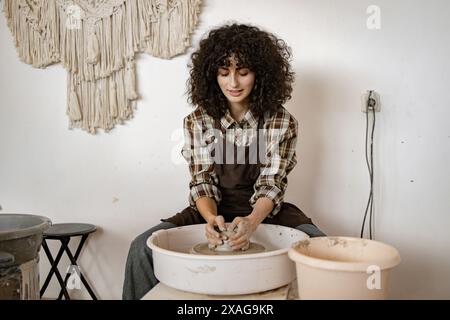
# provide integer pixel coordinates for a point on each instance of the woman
(239, 143)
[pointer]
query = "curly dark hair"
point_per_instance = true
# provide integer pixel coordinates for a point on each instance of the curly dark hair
(260, 51)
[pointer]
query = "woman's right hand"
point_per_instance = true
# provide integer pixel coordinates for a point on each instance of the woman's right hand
(214, 237)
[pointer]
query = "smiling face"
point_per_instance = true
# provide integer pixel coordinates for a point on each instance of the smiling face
(235, 82)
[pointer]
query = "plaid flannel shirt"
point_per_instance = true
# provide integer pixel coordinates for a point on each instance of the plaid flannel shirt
(281, 137)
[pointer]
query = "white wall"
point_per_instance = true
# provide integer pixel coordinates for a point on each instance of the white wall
(124, 181)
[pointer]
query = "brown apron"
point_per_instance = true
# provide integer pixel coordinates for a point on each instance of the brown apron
(236, 183)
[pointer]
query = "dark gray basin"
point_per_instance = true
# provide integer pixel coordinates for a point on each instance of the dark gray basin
(20, 242)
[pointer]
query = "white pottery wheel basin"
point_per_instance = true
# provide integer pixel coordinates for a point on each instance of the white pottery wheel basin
(224, 274)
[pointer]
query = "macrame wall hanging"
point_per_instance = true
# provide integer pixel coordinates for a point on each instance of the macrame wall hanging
(97, 41)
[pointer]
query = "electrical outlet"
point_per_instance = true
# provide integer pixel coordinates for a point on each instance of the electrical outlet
(374, 103)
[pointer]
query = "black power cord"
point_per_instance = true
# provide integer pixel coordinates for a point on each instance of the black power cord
(369, 161)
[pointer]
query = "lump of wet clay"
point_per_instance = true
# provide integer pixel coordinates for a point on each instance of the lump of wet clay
(225, 246)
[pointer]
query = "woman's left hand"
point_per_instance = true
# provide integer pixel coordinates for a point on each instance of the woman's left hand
(245, 227)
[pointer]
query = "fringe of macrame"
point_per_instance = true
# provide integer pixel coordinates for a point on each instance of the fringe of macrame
(96, 51)
(98, 104)
(36, 34)
(102, 70)
(99, 56)
(170, 31)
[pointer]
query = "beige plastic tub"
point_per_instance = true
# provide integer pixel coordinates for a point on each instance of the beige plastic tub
(343, 268)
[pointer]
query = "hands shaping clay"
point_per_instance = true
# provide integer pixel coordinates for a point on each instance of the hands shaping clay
(225, 248)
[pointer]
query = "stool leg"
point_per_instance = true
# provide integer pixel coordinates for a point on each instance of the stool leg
(50, 259)
(80, 246)
(74, 262)
(77, 254)
(54, 269)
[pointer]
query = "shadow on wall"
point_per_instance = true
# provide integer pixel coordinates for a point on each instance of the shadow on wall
(315, 97)
(307, 98)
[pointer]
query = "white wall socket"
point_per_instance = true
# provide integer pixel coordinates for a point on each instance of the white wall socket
(375, 102)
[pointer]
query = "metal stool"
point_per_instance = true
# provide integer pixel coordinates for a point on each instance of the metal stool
(63, 232)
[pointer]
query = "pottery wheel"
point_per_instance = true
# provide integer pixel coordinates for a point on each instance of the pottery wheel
(203, 248)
